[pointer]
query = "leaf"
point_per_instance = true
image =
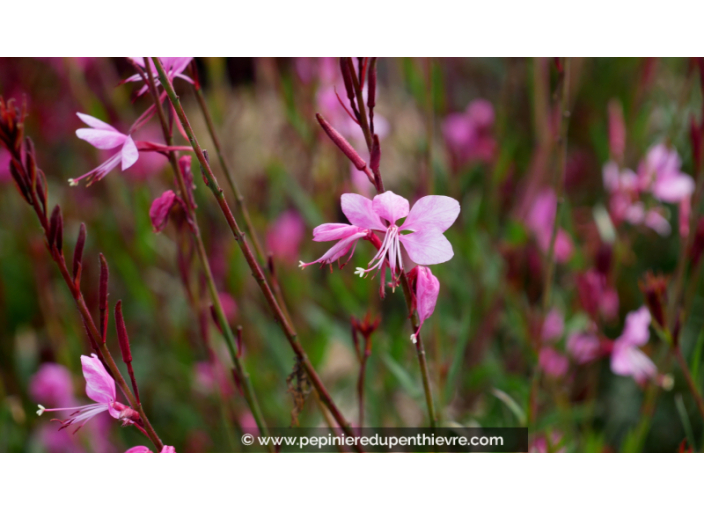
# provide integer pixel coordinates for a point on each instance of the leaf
(511, 404)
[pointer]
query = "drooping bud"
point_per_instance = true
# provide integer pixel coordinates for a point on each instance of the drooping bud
(655, 290)
(78, 252)
(342, 144)
(122, 337)
(103, 297)
(161, 207)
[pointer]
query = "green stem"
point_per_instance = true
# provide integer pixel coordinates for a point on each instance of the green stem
(247, 387)
(257, 271)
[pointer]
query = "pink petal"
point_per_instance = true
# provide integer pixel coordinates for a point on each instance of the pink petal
(584, 347)
(427, 247)
(657, 222)
(434, 211)
(338, 250)
(96, 123)
(552, 362)
(610, 175)
(635, 332)
(673, 187)
(101, 138)
(427, 290)
(358, 210)
(99, 385)
(168, 449)
(390, 206)
(139, 449)
(630, 361)
(160, 209)
(334, 231)
(553, 326)
(130, 154)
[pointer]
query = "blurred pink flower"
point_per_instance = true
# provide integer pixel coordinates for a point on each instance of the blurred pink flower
(660, 173)
(468, 135)
(174, 67)
(583, 347)
(540, 220)
(596, 295)
(626, 358)
(540, 444)
(100, 387)
(103, 136)
(285, 235)
(54, 440)
(553, 326)
(229, 305)
(207, 375)
(52, 384)
(552, 362)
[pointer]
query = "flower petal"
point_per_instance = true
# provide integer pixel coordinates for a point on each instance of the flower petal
(130, 154)
(427, 247)
(96, 123)
(101, 138)
(673, 187)
(434, 211)
(334, 231)
(635, 332)
(427, 290)
(140, 449)
(99, 385)
(390, 206)
(358, 210)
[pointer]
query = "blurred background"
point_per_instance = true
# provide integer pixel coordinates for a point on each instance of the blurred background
(483, 131)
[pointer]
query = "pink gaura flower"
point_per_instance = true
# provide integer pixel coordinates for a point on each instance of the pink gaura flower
(421, 233)
(103, 136)
(468, 134)
(660, 173)
(540, 220)
(285, 236)
(144, 449)
(553, 326)
(174, 67)
(552, 362)
(626, 358)
(52, 384)
(100, 387)
(584, 347)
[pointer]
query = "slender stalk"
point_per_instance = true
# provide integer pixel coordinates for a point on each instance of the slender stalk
(558, 179)
(688, 377)
(247, 387)
(239, 199)
(420, 351)
(93, 332)
(257, 271)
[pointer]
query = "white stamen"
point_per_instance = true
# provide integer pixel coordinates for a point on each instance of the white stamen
(41, 410)
(301, 264)
(360, 271)
(414, 338)
(72, 182)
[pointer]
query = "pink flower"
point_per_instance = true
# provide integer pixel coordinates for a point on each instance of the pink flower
(103, 136)
(596, 295)
(583, 347)
(427, 290)
(626, 358)
(174, 67)
(100, 387)
(285, 235)
(540, 220)
(144, 449)
(553, 325)
(425, 223)
(52, 384)
(552, 362)
(660, 172)
(468, 135)
(161, 208)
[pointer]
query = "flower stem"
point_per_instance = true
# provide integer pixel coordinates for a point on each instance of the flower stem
(247, 387)
(257, 271)
(688, 377)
